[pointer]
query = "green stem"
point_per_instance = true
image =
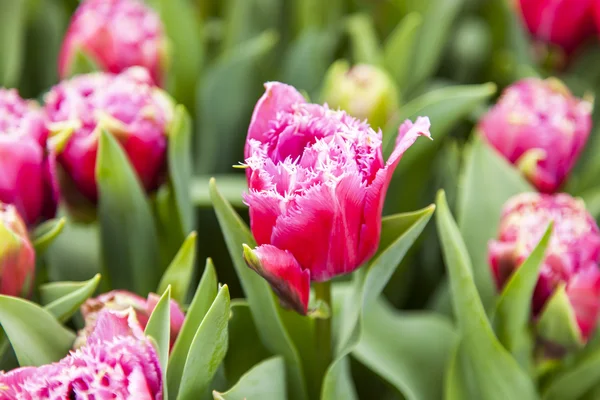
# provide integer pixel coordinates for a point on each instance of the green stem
(323, 330)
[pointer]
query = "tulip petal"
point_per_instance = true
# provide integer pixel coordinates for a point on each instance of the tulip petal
(287, 278)
(111, 324)
(264, 210)
(375, 197)
(583, 291)
(278, 97)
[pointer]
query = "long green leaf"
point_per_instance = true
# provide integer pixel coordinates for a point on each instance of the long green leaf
(65, 306)
(514, 304)
(363, 39)
(400, 346)
(265, 309)
(34, 333)
(12, 29)
(264, 381)
(488, 181)
(159, 327)
(128, 234)
(179, 273)
(207, 350)
(497, 374)
(203, 299)
(399, 47)
(574, 382)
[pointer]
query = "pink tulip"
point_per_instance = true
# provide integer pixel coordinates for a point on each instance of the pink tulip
(571, 257)
(566, 23)
(17, 257)
(128, 106)
(122, 300)
(116, 35)
(118, 363)
(27, 178)
(541, 128)
(317, 183)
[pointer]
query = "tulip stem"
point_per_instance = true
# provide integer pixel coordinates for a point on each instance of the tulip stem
(323, 329)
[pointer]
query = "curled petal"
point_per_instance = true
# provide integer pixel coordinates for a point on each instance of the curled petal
(112, 323)
(287, 278)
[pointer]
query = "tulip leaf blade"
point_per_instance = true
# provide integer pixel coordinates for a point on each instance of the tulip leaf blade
(81, 63)
(129, 242)
(45, 233)
(13, 18)
(557, 322)
(34, 333)
(488, 181)
(159, 327)
(363, 40)
(179, 273)
(264, 307)
(265, 380)
(65, 306)
(180, 167)
(394, 342)
(207, 350)
(399, 46)
(513, 308)
(204, 297)
(577, 380)
(496, 373)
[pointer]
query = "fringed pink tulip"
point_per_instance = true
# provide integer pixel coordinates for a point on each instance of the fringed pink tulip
(116, 35)
(539, 126)
(118, 363)
(27, 173)
(17, 257)
(565, 23)
(122, 300)
(317, 183)
(571, 258)
(128, 106)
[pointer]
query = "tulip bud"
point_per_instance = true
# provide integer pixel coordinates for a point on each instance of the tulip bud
(540, 127)
(27, 178)
(115, 35)
(17, 257)
(126, 105)
(564, 23)
(121, 300)
(364, 91)
(567, 294)
(317, 182)
(118, 363)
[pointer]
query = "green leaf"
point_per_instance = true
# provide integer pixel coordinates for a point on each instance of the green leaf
(245, 349)
(456, 385)
(128, 234)
(158, 330)
(264, 381)
(575, 381)
(488, 181)
(81, 63)
(230, 185)
(497, 374)
(52, 291)
(398, 234)
(265, 308)
(225, 99)
(12, 30)
(180, 167)
(207, 350)
(307, 59)
(185, 47)
(45, 233)
(399, 47)
(34, 333)
(399, 346)
(363, 39)
(427, 54)
(68, 304)
(513, 308)
(557, 322)
(203, 299)
(179, 273)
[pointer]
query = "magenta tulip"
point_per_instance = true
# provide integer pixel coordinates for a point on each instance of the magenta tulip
(116, 35)
(317, 182)
(541, 128)
(571, 258)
